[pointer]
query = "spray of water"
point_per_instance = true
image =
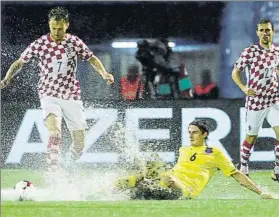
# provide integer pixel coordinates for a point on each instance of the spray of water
(90, 183)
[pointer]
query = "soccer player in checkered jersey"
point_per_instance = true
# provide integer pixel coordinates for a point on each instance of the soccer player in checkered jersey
(58, 88)
(260, 62)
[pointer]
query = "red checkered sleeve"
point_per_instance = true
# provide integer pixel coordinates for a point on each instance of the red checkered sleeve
(244, 59)
(30, 51)
(82, 49)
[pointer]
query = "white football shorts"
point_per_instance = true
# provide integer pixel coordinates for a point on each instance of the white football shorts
(255, 119)
(71, 110)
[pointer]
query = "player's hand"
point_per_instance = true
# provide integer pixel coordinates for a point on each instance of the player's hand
(4, 83)
(109, 77)
(249, 91)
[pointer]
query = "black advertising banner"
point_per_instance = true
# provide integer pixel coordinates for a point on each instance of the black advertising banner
(117, 129)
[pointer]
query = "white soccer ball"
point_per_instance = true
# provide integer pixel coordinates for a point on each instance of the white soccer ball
(24, 190)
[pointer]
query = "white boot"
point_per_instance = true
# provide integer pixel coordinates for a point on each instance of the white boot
(244, 169)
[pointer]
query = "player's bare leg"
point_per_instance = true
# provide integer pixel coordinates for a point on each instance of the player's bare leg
(78, 137)
(77, 146)
(275, 174)
(246, 152)
(53, 124)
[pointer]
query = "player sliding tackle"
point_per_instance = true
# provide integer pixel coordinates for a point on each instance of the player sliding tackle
(196, 165)
(58, 88)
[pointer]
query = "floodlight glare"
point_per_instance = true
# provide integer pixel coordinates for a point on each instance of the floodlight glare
(123, 44)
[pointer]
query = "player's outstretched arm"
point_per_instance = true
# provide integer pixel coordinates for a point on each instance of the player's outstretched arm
(13, 70)
(247, 182)
(97, 64)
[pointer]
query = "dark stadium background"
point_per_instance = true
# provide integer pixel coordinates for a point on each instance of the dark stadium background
(107, 20)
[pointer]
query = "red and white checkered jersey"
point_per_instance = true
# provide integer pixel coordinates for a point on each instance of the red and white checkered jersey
(58, 63)
(260, 66)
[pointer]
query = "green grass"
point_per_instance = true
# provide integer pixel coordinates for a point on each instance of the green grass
(195, 208)
(213, 202)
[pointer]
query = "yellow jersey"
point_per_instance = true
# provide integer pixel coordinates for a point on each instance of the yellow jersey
(196, 165)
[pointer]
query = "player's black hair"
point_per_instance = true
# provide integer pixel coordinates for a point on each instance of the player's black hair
(59, 13)
(266, 21)
(202, 125)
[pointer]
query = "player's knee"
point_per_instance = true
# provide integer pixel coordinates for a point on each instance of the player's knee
(50, 118)
(53, 125)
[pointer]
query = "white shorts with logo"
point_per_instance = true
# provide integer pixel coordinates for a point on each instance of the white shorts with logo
(71, 110)
(255, 119)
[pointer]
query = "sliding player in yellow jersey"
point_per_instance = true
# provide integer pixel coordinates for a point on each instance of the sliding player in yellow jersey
(196, 165)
